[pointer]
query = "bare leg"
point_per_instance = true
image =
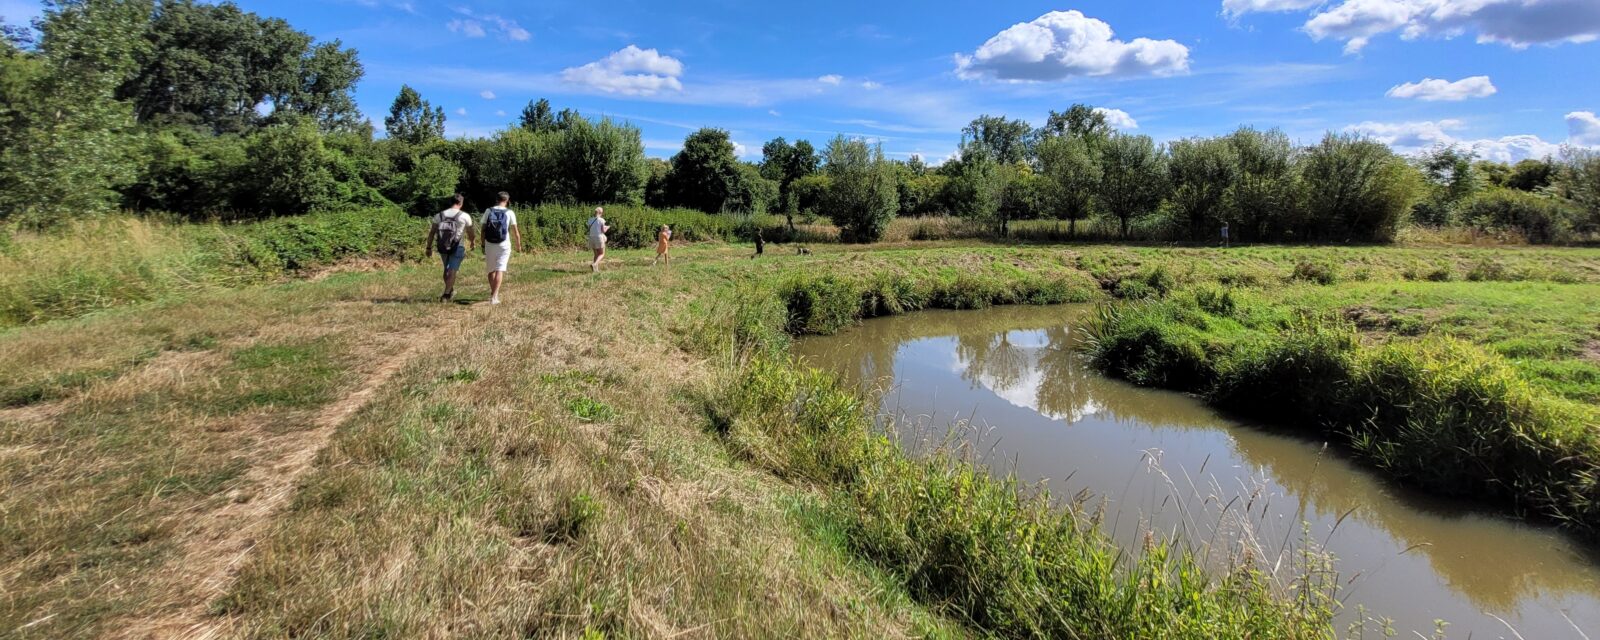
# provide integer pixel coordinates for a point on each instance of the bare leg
(495, 278)
(599, 256)
(449, 282)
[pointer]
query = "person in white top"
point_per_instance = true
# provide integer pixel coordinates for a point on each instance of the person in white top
(597, 238)
(452, 234)
(499, 229)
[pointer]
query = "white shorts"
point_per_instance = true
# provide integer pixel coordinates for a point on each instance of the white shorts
(496, 257)
(597, 244)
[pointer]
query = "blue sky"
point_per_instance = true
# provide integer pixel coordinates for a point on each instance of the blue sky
(1512, 77)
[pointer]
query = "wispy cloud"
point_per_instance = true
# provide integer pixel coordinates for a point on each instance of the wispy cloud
(479, 25)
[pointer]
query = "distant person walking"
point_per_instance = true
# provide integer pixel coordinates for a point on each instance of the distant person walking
(597, 238)
(664, 246)
(761, 245)
(499, 229)
(1226, 241)
(451, 234)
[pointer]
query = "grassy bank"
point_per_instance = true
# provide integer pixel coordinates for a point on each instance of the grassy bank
(104, 263)
(1432, 410)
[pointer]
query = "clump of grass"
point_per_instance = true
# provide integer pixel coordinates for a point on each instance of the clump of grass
(574, 516)
(590, 410)
(1315, 272)
(1489, 270)
(462, 375)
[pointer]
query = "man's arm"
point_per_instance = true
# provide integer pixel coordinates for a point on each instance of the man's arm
(516, 233)
(432, 229)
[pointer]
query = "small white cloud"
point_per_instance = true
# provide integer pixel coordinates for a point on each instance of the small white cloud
(871, 86)
(462, 111)
(629, 71)
(740, 151)
(478, 25)
(487, 94)
(1065, 44)
(774, 113)
(1118, 118)
(1433, 89)
(1583, 128)
(501, 113)
(1235, 8)
(468, 28)
(831, 79)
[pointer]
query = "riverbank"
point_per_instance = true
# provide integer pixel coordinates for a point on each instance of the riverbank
(627, 454)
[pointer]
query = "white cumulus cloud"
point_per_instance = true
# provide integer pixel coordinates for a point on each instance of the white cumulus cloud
(1117, 118)
(487, 94)
(1583, 128)
(462, 111)
(468, 28)
(629, 71)
(831, 79)
(1433, 89)
(1064, 44)
(1416, 137)
(870, 85)
(1517, 23)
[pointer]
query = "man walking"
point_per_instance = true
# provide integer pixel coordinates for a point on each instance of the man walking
(499, 228)
(451, 233)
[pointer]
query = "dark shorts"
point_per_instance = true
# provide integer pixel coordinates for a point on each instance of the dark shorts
(452, 260)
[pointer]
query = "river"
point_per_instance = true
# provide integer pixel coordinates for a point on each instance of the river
(1010, 381)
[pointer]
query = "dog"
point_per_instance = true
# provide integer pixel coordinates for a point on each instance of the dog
(802, 251)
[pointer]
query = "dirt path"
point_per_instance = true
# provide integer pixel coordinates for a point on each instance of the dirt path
(216, 543)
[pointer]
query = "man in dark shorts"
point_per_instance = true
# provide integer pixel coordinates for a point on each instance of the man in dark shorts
(452, 234)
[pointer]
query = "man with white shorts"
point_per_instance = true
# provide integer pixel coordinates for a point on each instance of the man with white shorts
(498, 227)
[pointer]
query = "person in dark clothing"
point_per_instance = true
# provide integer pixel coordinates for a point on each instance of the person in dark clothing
(761, 245)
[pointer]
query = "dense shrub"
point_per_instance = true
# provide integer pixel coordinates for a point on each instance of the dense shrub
(1539, 219)
(862, 197)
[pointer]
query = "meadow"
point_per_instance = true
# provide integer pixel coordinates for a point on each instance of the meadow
(634, 454)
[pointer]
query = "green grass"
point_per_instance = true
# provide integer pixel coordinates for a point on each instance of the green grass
(632, 454)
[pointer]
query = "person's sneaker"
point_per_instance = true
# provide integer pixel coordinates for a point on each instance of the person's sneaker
(594, 268)
(494, 300)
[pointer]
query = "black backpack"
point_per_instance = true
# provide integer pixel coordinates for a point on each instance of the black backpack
(494, 225)
(448, 235)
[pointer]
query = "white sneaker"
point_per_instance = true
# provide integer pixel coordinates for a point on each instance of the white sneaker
(494, 300)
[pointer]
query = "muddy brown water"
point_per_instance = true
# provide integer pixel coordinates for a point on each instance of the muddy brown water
(1010, 380)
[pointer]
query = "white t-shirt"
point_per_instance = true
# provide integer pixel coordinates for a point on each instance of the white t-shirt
(466, 222)
(511, 221)
(597, 228)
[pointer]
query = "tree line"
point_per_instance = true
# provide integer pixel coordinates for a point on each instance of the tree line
(213, 112)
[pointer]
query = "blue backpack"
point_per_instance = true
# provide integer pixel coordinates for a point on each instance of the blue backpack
(494, 225)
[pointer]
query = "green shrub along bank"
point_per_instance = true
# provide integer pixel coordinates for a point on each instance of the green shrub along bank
(1437, 412)
(973, 546)
(104, 263)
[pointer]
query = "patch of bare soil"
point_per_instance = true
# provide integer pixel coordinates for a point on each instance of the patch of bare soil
(214, 544)
(362, 265)
(1591, 351)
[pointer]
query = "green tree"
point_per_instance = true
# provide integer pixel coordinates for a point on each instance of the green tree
(1070, 169)
(977, 185)
(424, 189)
(1006, 141)
(412, 120)
(600, 162)
(1078, 121)
(785, 163)
(1531, 175)
(1578, 180)
(522, 162)
(65, 143)
(1133, 178)
(292, 171)
(1451, 181)
(216, 66)
(537, 116)
(811, 193)
(1355, 189)
(1201, 171)
(655, 184)
(705, 174)
(862, 196)
(1263, 201)
(752, 193)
